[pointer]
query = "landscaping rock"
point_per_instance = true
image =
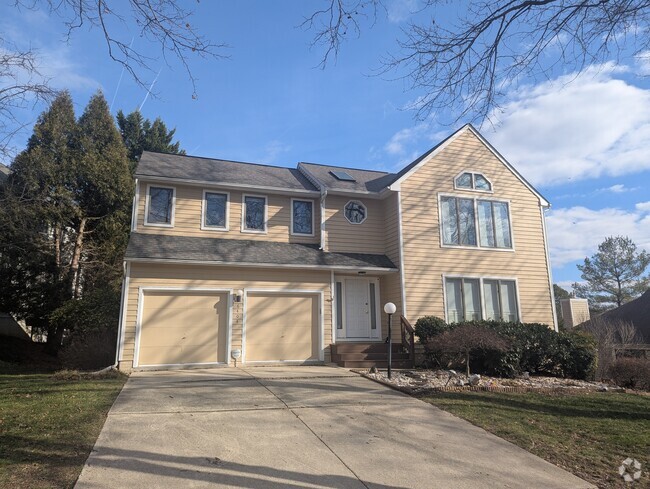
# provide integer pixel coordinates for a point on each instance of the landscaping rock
(474, 379)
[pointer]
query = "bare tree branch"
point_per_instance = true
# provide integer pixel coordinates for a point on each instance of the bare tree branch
(466, 69)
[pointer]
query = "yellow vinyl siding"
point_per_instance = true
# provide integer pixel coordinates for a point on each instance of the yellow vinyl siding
(426, 261)
(214, 277)
(342, 236)
(187, 220)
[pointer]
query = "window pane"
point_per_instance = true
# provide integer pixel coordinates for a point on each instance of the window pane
(355, 212)
(254, 213)
(502, 225)
(453, 293)
(491, 298)
(339, 305)
(373, 307)
(485, 224)
(508, 300)
(466, 222)
(449, 224)
(215, 210)
(464, 181)
(481, 183)
(472, 299)
(302, 217)
(160, 205)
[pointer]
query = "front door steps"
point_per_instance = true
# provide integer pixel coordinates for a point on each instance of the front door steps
(366, 355)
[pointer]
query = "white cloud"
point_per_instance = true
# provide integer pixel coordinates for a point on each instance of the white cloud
(400, 10)
(575, 233)
(577, 127)
(643, 206)
(618, 188)
(273, 150)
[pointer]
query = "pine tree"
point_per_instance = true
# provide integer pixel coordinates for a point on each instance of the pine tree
(613, 275)
(140, 134)
(64, 213)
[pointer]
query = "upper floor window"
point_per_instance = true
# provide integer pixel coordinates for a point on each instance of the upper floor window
(254, 214)
(472, 181)
(464, 219)
(215, 210)
(302, 217)
(464, 298)
(160, 206)
(355, 212)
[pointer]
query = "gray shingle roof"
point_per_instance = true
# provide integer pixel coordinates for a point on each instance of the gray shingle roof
(235, 251)
(220, 171)
(366, 180)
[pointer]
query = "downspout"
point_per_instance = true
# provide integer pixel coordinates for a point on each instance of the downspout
(323, 241)
(120, 329)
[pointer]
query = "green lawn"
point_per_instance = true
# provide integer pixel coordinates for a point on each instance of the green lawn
(48, 427)
(587, 434)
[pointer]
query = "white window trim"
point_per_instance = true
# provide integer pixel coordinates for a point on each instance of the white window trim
(478, 246)
(313, 208)
(243, 214)
(480, 278)
(357, 202)
(474, 172)
(146, 206)
(205, 227)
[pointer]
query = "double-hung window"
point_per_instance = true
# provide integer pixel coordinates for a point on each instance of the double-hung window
(254, 214)
(215, 211)
(469, 299)
(160, 206)
(302, 217)
(463, 219)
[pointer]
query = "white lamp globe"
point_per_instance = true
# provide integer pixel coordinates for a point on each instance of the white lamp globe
(390, 308)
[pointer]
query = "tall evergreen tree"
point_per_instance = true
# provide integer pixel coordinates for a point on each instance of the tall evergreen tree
(67, 196)
(613, 275)
(140, 134)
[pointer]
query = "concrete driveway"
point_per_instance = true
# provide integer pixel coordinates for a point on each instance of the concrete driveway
(295, 427)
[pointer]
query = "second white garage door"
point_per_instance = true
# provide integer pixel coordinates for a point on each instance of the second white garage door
(282, 327)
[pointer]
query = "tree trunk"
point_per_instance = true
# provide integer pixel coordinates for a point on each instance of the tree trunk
(76, 258)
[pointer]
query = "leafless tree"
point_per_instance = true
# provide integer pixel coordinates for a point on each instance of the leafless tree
(611, 335)
(165, 23)
(467, 67)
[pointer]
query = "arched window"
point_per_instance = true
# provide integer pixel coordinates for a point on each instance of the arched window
(472, 181)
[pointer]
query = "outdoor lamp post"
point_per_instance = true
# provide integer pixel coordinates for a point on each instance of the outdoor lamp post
(389, 308)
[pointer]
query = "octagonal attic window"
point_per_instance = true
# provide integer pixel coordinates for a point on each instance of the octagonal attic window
(355, 212)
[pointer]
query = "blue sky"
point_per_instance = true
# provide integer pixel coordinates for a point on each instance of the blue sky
(585, 145)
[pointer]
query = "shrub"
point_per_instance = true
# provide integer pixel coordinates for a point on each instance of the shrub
(633, 373)
(532, 347)
(469, 342)
(90, 350)
(427, 327)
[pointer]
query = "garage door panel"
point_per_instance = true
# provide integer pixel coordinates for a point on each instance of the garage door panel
(183, 327)
(282, 327)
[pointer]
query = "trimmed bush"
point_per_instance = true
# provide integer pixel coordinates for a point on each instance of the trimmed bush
(633, 373)
(533, 348)
(427, 327)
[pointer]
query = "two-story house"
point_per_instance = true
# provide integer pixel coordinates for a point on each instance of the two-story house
(274, 264)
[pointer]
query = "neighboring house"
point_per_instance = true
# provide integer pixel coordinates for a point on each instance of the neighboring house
(4, 172)
(636, 312)
(279, 264)
(574, 311)
(10, 327)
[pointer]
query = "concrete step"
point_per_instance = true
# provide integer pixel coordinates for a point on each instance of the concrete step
(363, 347)
(368, 356)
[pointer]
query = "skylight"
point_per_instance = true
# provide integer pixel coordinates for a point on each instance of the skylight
(343, 175)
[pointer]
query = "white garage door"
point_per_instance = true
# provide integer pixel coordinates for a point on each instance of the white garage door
(282, 327)
(180, 328)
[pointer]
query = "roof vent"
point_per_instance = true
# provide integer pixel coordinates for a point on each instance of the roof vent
(343, 176)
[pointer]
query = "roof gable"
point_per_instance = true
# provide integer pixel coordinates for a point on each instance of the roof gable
(407, 171)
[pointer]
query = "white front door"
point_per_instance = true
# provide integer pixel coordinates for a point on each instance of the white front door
(357, 308)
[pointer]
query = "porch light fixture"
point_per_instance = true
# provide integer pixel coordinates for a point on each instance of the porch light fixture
(390, 308)
(238, 295)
